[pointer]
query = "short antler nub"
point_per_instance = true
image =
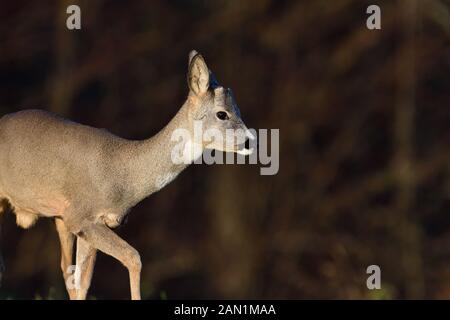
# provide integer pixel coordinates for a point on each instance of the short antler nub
(219, 97)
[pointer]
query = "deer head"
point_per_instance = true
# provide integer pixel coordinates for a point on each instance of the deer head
(216, 108)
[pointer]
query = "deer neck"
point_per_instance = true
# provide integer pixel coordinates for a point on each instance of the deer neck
(152, 166)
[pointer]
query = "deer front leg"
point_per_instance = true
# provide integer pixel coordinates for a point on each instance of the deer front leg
(86, 255)
(104, 239)
(66, 239)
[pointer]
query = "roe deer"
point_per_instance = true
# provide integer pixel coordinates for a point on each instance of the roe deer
(87, 179)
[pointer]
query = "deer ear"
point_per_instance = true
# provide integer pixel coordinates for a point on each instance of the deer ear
(198, 73)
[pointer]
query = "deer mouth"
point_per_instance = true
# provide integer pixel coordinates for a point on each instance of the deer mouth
(244, 148)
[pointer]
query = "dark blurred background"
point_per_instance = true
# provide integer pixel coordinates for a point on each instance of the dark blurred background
(364, 143)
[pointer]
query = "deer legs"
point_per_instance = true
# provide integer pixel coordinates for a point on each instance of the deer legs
(78, 285)
(85, 262)
(99, 236)
(66, 239)
(90, 239)
(86, 255)
(2, 265)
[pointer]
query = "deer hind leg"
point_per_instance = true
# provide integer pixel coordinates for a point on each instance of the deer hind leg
(86, 255)
(104, 239)
(66, 239)
(3, 208)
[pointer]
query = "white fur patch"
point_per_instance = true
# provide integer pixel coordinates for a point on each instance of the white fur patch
(245, 152)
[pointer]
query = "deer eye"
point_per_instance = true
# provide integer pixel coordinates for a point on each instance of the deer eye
(222, 115)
